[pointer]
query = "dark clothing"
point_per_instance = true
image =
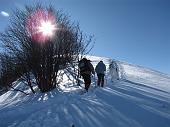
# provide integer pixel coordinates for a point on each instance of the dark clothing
(100, 80)
(100, 70)
(87, 80)
(86, 69)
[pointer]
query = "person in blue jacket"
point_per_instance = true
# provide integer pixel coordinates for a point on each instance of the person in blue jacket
(100, 70)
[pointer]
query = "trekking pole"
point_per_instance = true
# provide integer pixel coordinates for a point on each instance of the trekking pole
(106, 81)
(95, 82)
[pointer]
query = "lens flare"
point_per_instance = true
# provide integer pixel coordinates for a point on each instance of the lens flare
(41, 25)
(47, 28)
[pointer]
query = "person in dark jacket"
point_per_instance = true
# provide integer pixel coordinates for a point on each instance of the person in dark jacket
(100, 70)
(86, 69)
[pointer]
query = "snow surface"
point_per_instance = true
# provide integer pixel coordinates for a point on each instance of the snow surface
(140, 99)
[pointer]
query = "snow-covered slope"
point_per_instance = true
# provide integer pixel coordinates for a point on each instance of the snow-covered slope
(140, 99)
(145, 76)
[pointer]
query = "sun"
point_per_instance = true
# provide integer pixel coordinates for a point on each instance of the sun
(41, 25)
(47, 28)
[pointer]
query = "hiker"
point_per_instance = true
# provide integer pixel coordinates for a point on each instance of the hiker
(100, 70)
(86, 69)
(113, 70)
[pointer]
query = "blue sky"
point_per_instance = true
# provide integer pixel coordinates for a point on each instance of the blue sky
(135, 31)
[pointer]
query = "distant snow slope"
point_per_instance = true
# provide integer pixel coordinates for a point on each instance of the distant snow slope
(140, 99)
(145, 76)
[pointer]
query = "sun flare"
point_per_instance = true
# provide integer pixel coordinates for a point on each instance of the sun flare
(41, 25)
(47, 28)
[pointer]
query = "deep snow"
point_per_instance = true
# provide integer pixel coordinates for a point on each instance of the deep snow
(140, 99)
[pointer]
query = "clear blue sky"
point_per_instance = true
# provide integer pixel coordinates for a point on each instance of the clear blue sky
(135, 31)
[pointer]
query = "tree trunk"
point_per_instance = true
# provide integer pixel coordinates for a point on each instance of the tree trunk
(30, 85)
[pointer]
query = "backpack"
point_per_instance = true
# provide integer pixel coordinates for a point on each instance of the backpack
(83, 65)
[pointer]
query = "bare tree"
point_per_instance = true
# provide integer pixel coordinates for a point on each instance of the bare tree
(11, 70)
(42, 54)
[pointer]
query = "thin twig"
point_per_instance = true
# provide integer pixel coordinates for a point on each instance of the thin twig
(14, 89)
